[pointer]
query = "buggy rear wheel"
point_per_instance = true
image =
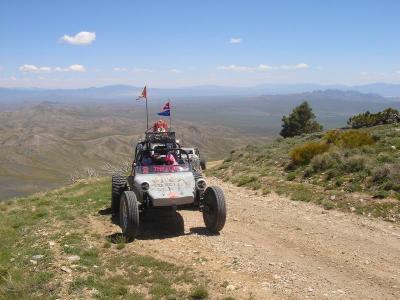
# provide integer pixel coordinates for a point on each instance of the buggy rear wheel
(214, 210)
(118, 184)
(129, 215)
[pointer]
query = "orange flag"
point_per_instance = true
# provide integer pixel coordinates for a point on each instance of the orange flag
(144, 94)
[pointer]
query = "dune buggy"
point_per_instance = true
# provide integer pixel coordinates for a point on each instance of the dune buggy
(195, 158)
(162, 176)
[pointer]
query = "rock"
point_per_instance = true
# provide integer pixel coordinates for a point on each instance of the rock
(73, 258)
(277, 277)
(310, 290)
(34, 262)
(65, 269)
(230, 287)
(12, 259)
(352, 209)
(51, 243)
(333, 197)
(37, 257)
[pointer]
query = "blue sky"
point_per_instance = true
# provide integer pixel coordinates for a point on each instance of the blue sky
(184, 43)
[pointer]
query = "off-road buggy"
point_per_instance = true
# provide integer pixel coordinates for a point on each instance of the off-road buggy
(163, 176)
(195, 157)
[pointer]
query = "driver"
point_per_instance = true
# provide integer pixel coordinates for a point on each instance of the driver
(170, 159)
(146, 160)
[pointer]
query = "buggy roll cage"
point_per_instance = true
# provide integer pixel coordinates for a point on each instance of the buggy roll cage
(158, 138)
(180, 151)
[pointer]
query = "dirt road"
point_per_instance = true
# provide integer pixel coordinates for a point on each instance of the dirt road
(272, 247)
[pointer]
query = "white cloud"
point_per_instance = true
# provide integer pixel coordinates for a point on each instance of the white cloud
(236, 68)
(301, 66)
(397, 72)
(262, 67)
(77, 68)
(235, 40)
(175, 71)
(35, 69)
(81, 38)
(294, 67)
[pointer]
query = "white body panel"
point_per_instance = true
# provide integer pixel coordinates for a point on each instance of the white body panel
(168, 189)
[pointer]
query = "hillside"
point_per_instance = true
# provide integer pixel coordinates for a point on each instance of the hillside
(351, 174)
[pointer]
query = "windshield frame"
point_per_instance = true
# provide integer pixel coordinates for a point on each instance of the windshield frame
(162, 168)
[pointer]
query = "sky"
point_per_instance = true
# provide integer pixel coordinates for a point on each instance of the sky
(76, 44)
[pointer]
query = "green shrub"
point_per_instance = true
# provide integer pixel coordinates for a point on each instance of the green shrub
(380, 174)
(328, 204)
(355, 139)
(304, 153)
(333, 173)
(266, 191)
(322, 162)
(245, 180)
(385, 158)
(291, 176)
(388, 116)
(199, 293)
(301, 193)
(395, 174)
(308, 172)
(355, 163)
(332, 136)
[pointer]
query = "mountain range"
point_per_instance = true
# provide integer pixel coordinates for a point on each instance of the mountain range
(127, 91)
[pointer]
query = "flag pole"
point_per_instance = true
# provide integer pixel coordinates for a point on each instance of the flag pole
(147, 115)
(170, 106)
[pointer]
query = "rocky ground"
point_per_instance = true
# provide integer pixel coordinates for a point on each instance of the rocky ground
(272, 247)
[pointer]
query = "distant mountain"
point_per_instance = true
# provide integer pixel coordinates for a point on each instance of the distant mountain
(384, 89)
(126, 91)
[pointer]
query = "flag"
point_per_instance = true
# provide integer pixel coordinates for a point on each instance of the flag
(166, 111)
(143, 94)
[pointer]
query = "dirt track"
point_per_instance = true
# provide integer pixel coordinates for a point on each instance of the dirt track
(272, 247)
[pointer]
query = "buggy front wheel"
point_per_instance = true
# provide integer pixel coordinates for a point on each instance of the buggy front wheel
(129, 215)
(214, 209)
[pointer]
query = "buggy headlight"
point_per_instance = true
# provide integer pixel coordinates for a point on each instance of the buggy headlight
(201, 184)
(145, 186)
